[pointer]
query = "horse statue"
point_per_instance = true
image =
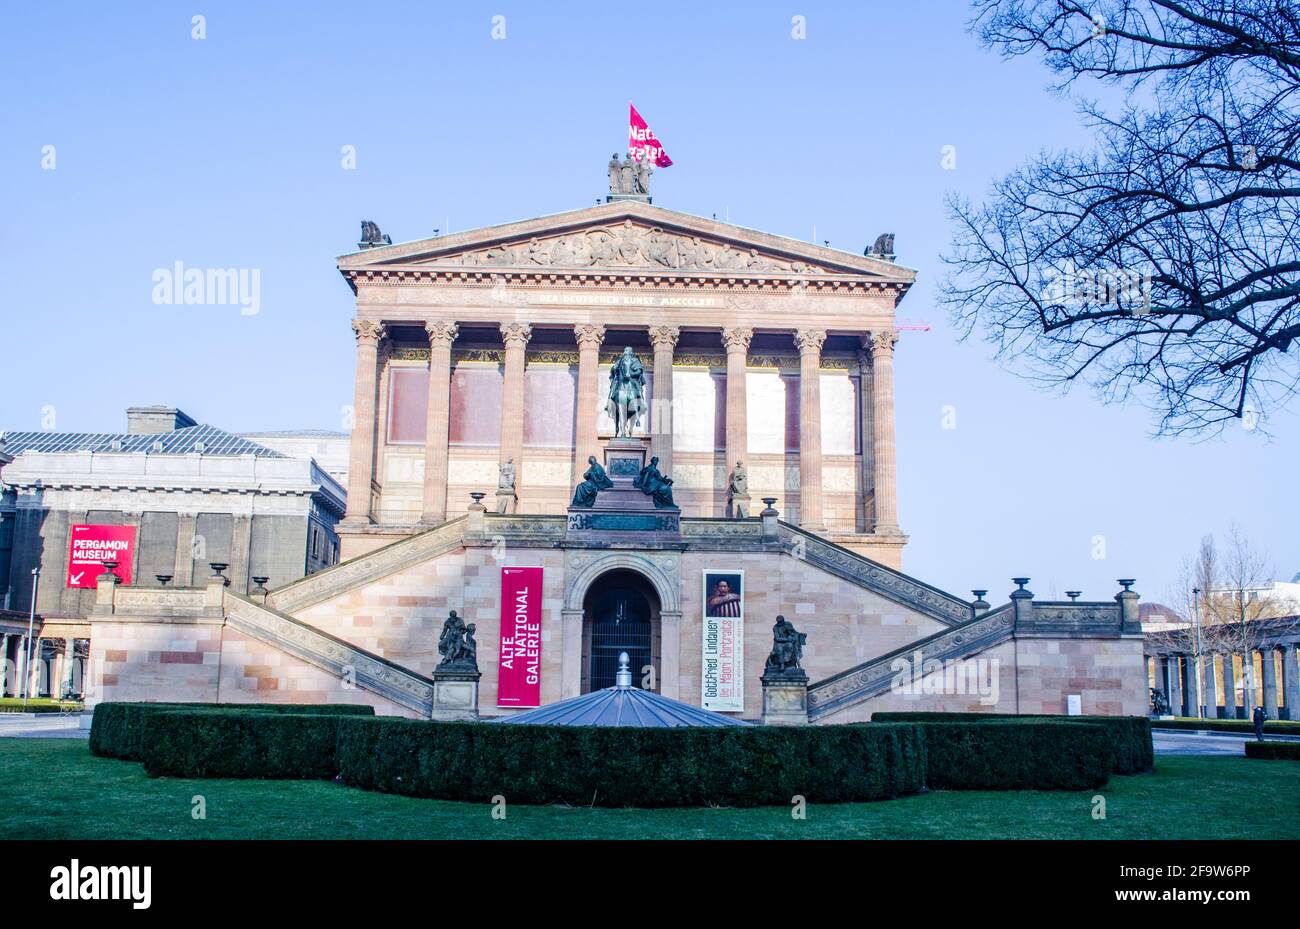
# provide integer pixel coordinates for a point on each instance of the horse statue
(626, 393)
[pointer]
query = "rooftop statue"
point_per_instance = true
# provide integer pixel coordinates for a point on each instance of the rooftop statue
(371, 237)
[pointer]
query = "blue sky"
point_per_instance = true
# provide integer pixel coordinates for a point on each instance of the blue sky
(226, 152)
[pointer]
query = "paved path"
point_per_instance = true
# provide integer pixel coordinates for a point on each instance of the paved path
(42, 726)
(1171, 742)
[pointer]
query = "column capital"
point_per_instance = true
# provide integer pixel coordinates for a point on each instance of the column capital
(368, 331)
(664, 336)
(810, 341)
(589, 335)
(516, 335)
(882, 342)
(442, 332)
(737, 340)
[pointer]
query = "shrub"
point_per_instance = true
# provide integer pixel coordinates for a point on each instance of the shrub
(1016, 754)
(201, 743)
(631, 767)
(1275, 751)
(1271, 727)
(117, 728)
(1130, 735)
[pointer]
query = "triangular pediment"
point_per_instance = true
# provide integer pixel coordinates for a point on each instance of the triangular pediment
(629, 236)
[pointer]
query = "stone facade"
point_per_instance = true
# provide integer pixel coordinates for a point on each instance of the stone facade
(492, 346)
(495, 344)
(381, 613)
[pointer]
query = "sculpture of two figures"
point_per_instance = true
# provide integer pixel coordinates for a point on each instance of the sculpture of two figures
(655, 485)
(457, 645)
(738, 492)
(506, 487)
(1159, 703)
(631, 176)
(594, 480)
(787, 649)
(626, 400)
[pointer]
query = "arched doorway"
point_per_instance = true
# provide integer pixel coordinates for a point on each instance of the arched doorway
(620, 613)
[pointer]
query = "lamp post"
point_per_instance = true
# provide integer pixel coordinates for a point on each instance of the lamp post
(31, 621)
(1196, 668)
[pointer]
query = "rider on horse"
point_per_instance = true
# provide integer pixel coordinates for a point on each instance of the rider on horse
(626, 393)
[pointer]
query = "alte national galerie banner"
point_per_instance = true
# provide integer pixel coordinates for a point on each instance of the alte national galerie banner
(519, 664)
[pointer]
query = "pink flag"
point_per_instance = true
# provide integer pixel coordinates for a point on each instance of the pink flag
(641, 141)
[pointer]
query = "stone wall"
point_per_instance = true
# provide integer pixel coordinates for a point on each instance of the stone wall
(846, 625)
(207, 662)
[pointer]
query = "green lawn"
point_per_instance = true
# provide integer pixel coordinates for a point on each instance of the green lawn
(54, 788)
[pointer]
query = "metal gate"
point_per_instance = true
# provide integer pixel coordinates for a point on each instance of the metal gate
(620, 623)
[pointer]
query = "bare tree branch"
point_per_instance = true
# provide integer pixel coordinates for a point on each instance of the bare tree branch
(1163, 265)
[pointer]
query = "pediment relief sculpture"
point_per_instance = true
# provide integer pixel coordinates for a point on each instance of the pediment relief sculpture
(627, 245)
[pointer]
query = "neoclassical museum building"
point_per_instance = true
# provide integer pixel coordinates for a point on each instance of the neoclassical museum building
(487, 477)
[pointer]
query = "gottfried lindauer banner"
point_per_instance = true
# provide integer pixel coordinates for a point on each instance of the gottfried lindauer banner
(91, 546)
(519, 667)
(722, 683)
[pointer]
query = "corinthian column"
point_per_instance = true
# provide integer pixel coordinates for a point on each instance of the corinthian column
(585, 442)
(664, 340)
(866, 434)
(737, 343)
(437, 420)
(361, 460)
(882, 401)
(515, 336)
(810, 427)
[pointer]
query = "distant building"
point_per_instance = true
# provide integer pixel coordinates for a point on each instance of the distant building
(327, 448)
(194, 494)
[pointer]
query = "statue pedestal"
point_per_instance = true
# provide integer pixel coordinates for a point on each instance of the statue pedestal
(785, 699)
(622, 513)
(455, 695)
(505, 502)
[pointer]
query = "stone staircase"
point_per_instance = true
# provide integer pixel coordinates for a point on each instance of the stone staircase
(872, 678)
(371, 566)
(364, 669)
(875, 577)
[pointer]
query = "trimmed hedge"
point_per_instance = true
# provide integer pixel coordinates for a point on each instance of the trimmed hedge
(1244, 726)
(117, 728)
(190, 743)
(1275, 751)
(1130, 735)
(1013, 754)
(606, 766)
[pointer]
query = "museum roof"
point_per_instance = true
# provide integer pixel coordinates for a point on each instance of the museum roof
(621, 705)
(206, 440)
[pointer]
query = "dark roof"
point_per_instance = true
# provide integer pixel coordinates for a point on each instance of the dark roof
(179, 442)
(621, 706)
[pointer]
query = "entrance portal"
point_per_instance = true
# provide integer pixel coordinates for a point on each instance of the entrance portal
(620, 614)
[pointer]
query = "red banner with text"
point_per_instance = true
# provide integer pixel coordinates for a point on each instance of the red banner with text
(91, 546)
(519, 665)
